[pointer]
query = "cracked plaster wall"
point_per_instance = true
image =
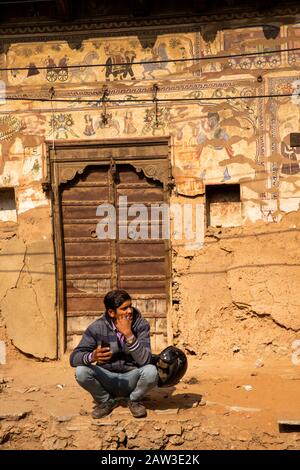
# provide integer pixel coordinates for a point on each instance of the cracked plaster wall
(239, 294)
(239, 291)
(27, 288)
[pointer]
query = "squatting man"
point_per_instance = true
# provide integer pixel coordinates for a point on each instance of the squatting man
(113, 357)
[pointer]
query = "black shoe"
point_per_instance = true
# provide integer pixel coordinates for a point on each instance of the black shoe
(137, 409)
(103, 409)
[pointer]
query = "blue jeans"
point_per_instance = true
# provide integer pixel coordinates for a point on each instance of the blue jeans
(103, 384)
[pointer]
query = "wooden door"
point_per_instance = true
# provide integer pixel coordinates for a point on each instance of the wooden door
(93, 266)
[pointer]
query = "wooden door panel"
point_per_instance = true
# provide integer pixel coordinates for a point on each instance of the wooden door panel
(98, 285)
(88, 248)
(139, 287)
(88, 267)
(94, 266)
(86, 193)
(141, 195)
(80, 230)
(88, 264)
(143, 267)
(141, 248)
(83, 304)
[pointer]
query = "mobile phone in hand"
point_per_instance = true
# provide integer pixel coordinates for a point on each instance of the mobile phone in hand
(104, 344)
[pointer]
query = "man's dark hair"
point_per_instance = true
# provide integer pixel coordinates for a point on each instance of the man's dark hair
(115, 298)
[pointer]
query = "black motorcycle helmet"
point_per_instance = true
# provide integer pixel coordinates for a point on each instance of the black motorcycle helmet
(171, 365)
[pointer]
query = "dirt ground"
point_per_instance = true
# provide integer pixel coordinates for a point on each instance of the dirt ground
(217, 405)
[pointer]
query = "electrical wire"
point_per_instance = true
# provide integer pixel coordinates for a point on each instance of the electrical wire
(149, 100)
(164, 61)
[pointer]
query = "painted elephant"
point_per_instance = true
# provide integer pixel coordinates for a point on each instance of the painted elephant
(119, 65)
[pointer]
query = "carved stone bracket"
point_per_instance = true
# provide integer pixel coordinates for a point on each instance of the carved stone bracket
(147, 41)
(209, 32)
(271, 31)
(75, 44)
(67, 172)
(156, 170)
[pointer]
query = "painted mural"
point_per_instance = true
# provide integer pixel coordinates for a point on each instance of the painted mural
(220, 131)
(250, 41)
(284, 159)
(97, 61)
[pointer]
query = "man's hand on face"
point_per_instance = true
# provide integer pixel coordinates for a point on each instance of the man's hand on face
(123, 324)
(101, 354)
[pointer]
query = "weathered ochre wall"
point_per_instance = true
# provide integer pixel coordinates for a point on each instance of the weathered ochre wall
(238, 296)
(27, 288)
(236, 289)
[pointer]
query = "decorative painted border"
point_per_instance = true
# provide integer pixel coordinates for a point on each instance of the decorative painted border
(273, 84)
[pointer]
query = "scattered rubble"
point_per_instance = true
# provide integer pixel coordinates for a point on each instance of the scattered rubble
(259, 363)
(57, 420)
(63, 419)
(170, 411)
(6, 380)
(248, 388)
(173, 429)
(243, 409)
(192, 381)
(14, 416)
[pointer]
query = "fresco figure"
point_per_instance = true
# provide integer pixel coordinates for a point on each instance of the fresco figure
(110, 123)
(129, 127)
(209, 161)
(82, 73)
(50, 62)
(30, 130)
(32, 70)
(157, 53)
(212, 130)
(89, 128)
(63, 63)
(180, 66)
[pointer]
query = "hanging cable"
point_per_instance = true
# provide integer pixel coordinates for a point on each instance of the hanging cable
(104, 99)
(150, 100)
(155, 101)
(52, 94)
(163, 61)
